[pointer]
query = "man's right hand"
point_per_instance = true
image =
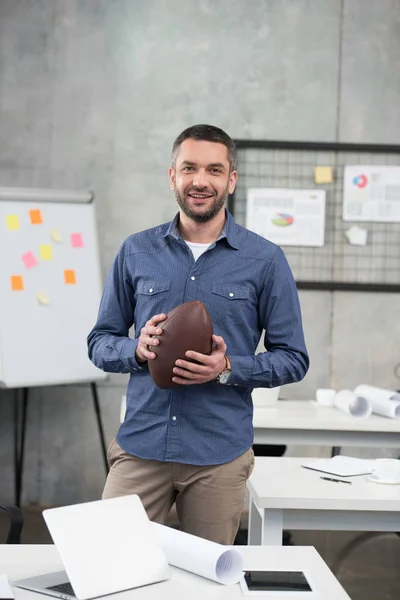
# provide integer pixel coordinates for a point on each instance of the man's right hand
(146, 339)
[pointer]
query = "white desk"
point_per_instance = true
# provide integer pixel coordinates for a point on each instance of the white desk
(284, 495)
(301, 422)
(18, 562)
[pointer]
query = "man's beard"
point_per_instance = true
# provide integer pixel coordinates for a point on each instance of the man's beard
(205, 216)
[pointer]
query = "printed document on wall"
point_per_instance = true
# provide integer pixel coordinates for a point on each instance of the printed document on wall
(371, 193)
(287, 217)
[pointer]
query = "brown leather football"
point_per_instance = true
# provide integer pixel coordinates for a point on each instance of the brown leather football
(187, 327)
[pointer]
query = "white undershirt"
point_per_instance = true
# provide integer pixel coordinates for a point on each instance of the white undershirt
(197, 248)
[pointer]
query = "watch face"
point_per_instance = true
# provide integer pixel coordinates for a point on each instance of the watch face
(224, 377)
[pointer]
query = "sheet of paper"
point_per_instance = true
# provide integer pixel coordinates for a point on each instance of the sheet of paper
(36, 217)
(42, 299)
(55, 236)
(69, 276)
(29, 260)
(371, 193)
(385, 403)
(12, 222)
(17, 283)
(6, 592)
(76, 240)
(357, 236)
(202, 557)
(323, 175)
(343, 466)
(287, 217)
(45, 252)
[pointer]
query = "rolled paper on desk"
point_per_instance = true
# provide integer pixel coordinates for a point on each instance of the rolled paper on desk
(385, 403)
(353, 404)
(202, 557)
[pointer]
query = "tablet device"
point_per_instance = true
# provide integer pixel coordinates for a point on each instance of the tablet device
(288, 584)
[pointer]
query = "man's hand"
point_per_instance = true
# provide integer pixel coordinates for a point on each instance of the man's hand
(188, 373)
(145, 340)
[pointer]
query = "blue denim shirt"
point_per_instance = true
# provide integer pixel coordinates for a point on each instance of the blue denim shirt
(155, 271)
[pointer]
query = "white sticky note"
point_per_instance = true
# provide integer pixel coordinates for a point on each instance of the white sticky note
(5, 588)
(357, 236)
(55, 235)
(42, 299)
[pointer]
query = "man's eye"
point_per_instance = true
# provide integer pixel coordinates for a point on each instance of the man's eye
(188, 169)
(216, 171)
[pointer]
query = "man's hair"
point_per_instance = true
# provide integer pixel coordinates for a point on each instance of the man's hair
(208, 133)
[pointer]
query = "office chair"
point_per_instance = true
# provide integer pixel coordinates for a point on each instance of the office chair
(15, 523)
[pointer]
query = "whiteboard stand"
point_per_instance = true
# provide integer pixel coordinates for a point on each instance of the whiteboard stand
(20, 421)
(50, 290)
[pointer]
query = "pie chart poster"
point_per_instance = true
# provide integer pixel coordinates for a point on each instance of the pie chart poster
(287, 217)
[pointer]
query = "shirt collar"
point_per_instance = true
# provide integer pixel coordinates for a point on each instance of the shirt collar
(229, 231)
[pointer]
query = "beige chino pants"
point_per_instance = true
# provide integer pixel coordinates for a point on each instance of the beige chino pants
(209, 499)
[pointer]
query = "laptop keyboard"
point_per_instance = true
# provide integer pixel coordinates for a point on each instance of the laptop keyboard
(63, 588)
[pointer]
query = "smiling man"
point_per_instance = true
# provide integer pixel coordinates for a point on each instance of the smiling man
(193, 444)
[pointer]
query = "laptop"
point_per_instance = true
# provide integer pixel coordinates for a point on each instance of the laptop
(106, 546)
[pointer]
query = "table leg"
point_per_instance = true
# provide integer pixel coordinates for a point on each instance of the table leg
(255, 524)
(272, 527)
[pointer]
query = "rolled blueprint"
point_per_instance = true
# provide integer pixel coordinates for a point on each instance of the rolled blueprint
(202, 557)
(353, 404)
(384, 402)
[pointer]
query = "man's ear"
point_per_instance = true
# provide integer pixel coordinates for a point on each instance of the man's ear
(171, 176)
(233, 177)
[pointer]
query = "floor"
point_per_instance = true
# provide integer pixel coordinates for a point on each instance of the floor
(371, 571)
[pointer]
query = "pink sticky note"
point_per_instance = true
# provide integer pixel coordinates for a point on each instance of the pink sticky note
(76, 240)
(29, 260)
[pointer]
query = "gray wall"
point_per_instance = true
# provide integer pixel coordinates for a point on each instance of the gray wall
(93, 92)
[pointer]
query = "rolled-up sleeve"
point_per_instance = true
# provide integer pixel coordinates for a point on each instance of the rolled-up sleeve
(286, 359)
(109, 345)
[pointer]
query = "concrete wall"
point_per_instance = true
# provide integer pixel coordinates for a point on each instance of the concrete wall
(92, 94)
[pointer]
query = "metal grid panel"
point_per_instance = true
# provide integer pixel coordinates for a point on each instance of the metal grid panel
(337, 261)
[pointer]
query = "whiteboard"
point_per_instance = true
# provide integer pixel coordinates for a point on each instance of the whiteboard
(50, 287)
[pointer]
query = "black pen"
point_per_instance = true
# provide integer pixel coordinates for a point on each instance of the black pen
(336, 480)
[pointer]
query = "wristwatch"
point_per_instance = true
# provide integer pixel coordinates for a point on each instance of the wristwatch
(226, 373)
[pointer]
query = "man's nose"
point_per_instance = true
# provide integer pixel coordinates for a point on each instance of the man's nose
(200, 178)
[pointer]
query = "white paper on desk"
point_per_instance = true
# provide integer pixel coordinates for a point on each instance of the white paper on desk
(384, 402)
(202, 557)
(5, 588)
(343, 466)
(353, 404)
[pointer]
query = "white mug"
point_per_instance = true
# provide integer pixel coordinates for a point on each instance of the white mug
(387, 469)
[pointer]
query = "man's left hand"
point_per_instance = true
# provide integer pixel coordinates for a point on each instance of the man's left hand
(188, 373)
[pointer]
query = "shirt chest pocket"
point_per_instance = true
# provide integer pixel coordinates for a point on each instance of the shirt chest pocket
(230, 302)
(151, 298)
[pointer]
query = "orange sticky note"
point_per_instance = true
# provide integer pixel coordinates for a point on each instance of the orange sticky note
(45, 252)
(12, 222)
(36, 216)
(69, 276)
(17, 283)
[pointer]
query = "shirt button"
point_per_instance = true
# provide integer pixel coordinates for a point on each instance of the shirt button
(150, 290)
(174, 418)
(193, 278)
(231, 295)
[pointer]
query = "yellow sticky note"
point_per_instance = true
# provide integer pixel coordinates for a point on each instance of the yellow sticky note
(12, 222)
(323, 175)
(42, 298)
(69, 276)
(17, 283)
(55, 235)
(45, 252)
(36, 216)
